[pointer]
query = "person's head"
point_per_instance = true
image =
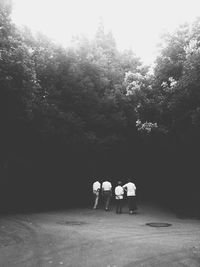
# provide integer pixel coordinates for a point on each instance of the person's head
(129, 180)
(119, 183)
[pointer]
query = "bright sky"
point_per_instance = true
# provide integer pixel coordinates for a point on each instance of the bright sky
(136, 24)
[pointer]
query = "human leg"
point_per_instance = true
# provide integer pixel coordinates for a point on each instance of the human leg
(96, 200)
(117, 205)
(134, 204)
(130, 203)
(107, 195)
(120, 205)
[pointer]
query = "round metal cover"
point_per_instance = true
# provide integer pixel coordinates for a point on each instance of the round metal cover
(158, 224)
(71, 223)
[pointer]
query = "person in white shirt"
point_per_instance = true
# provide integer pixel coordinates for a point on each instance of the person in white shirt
(96, 190)
(130, 189)
(107, 193)
(119, 194)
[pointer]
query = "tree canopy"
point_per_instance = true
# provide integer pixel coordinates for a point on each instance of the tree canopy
(93, 106)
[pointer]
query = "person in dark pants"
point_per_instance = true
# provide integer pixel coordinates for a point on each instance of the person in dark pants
(131, 196)
(119, 193)
(107, 193)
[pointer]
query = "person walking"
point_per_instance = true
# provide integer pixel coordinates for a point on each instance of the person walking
(96, 191)
(119, 193)
(130, 189)
(107, 193)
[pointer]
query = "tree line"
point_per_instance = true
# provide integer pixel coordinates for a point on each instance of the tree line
(70, 114)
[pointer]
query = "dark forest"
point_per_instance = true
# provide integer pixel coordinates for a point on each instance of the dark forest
(71, 115)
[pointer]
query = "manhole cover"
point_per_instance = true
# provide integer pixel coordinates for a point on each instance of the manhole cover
(72, 223)
(157, 224)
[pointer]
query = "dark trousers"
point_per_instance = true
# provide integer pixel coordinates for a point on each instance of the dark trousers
(119, 205)
(107, 198)
(132, 203)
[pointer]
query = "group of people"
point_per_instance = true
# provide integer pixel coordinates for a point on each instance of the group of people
(105, 190)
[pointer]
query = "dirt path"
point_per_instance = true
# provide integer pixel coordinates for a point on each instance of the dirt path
(85, 238)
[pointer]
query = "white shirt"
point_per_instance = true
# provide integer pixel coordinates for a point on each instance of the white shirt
(106, 186)
(96, 186)
(119, 191)
(131, 188)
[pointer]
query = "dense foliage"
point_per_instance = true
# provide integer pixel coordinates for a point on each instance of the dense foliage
(69, 114)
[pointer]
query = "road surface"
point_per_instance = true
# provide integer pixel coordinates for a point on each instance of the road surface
(88, 238)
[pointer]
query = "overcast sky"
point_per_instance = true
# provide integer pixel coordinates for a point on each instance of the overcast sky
(136, 24)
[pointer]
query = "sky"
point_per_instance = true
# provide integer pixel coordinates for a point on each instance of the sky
(136, 24)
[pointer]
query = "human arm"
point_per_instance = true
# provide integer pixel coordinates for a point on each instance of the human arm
(124, 187)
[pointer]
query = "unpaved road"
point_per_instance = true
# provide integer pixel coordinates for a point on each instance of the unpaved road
(87, 238)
